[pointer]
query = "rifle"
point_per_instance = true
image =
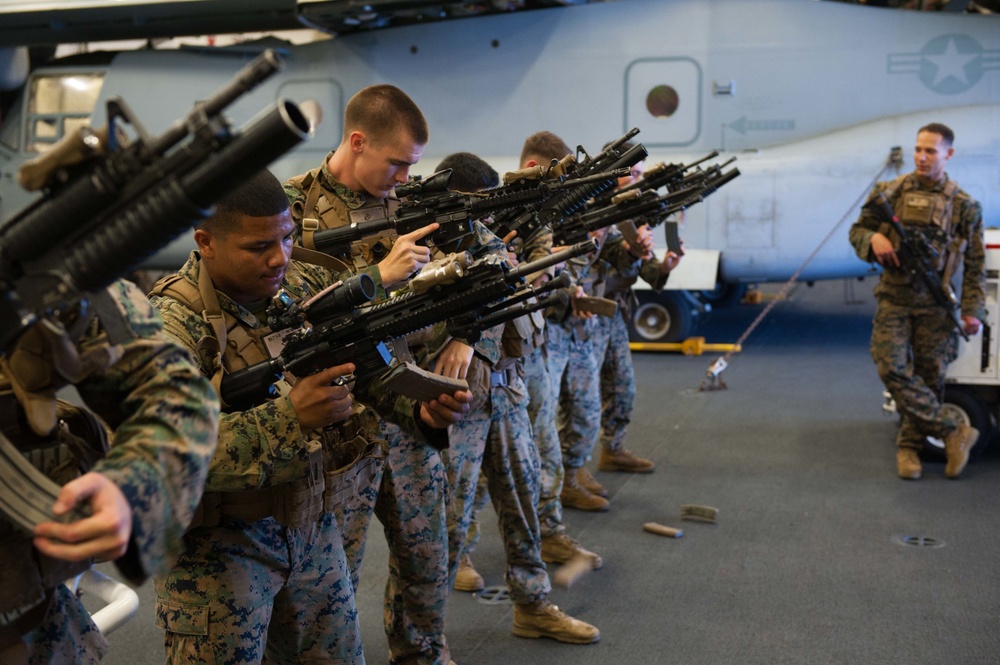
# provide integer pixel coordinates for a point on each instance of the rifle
(592, 177)
(917, 258)
(334, 335)
(663, 175)
(428, 200)
(101, 216)
(116, 210)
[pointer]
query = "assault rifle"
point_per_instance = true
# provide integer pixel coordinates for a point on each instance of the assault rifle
(589, 183)
(332, 334)
(428, 200)
(917, 258)
(109, 214)
(637, 205)
(107, 206)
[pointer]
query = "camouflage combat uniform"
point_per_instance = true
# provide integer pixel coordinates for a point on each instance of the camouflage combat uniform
(617, 371)
(263, 574)
(494, 441)
(573, 361)
(411, 501)
(164, 415)
(914, 339)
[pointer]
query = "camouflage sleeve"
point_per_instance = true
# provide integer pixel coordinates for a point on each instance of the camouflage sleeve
(538, 247)
(651, 273)
(974, 272)
(613, 251)
(165, 419)
(259, 447)
(867, 225)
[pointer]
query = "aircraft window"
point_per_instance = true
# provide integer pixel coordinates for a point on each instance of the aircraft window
(662, 101)
(57, 105)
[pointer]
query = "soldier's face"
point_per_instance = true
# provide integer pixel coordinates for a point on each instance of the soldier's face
(379, 167)
(634, 176)
(930, 156)
(248, 263)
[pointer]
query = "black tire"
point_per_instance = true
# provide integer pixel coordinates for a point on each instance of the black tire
(725, 294)
(667, 316)
(963, 407)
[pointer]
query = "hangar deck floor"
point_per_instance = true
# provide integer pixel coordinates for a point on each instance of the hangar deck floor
(807, 563)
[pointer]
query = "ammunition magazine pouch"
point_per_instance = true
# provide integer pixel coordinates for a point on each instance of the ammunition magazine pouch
(354, 466)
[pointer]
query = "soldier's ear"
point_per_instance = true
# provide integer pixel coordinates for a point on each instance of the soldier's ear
(206, 247)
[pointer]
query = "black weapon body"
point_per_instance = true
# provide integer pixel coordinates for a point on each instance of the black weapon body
(358, 335)
(117, 210)
(428, 200)
(917, 259)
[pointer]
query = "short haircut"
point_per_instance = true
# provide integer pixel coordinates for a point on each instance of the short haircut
(543, 147)
(943, 130)
(381, 110)
(469, 173)
(261, 195)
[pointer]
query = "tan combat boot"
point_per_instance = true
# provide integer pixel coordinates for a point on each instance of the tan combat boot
(543, 619)
(560, 548)
(590, 483)
(623, 460)
(574, 495)
(467, 579)
(908, 464)
(957, 446)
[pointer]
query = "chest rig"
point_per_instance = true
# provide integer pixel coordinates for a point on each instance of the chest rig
(61, 440)
(322, 211)
(342, 459)
(931, 214)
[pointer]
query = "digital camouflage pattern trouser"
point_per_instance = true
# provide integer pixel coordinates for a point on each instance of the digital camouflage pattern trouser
(542, 412)
(912, 347)
(243, 591)
(66, 634)
(575, 376)
(497, 443)
(617, 385)
(412, 506)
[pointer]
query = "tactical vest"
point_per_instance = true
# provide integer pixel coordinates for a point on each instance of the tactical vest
(341, 458)
(934, 215)
(62, 440)
(322, 210)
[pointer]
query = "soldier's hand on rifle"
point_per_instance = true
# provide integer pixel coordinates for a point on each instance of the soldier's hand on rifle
(579, 293)
(318, 402)
(446, 409)
(103, 536)
(971, 325)
(883, 250)
(453, 361)
(406, 256)
(511, 256)
(644, 246)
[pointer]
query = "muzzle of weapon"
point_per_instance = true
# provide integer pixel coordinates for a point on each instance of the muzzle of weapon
(31, 233)
(579, 249)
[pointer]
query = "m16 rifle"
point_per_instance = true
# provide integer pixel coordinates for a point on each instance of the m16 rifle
(428, 200)
(918, 258)
(326, 334)
(106, 207)
(646, 207)
(103, 218)
(590, 177)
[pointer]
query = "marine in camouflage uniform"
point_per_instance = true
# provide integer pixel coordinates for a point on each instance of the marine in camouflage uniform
(411, 500)
(617, 371)
(913, 338)
(164, 417)
(250, 579)
(574, 369)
